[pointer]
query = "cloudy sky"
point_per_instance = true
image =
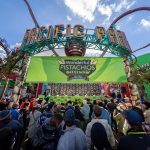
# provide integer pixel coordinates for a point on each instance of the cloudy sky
(15, 18)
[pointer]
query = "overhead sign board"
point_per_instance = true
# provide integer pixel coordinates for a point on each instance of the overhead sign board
(50, 36)
(75, 70)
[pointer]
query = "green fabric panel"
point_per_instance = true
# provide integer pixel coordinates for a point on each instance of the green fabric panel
(147, 88)
(11, 83)
(143, 59)
(2, 82)
(46, 69)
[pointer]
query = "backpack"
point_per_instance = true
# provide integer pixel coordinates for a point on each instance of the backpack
(42, 119)
(45, 139)
(99, 137)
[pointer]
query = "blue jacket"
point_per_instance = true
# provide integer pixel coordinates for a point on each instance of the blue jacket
(106, 115)
(72, 139)
(85, 110)
(14, 114)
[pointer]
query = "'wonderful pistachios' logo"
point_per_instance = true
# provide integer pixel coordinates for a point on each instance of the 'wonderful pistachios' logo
(77, 69)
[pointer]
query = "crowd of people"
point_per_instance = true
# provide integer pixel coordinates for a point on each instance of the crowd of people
(111, 124)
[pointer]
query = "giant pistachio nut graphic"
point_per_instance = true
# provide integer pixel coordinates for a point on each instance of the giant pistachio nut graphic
(61, 61)
(93, 62)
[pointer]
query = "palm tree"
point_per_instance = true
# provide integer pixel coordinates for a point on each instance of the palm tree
(35, 21)
(140, 75)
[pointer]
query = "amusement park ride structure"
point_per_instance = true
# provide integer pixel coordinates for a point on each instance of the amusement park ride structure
(38, 39)
(75, 42)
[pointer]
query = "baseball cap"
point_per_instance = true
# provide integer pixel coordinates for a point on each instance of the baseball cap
(133, 117)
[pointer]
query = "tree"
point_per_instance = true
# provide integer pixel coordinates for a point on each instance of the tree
(140, 76)
(10, 64)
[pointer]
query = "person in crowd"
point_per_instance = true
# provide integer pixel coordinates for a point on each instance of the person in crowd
(69, 106)
(6, 139)
(146, 107)
(105, 114)
(95, 102)
(111, 106)
(15, 112)
(48, 110)
(73, 138)
(105, 103)
(126, 125)
(46, 137)
(24, 116)
(6, 121)
(127, 102)
(47, 114)
(7, 97)
(33, 123)
(99, 138)
(136, 138)
(97, 113)
(119, 99)
(32, 103)
(91, 106)
(85, 110)
(120, 119)
(78, 114)
(24, 103)
(56, 108)
(3, 104)
(142, 99)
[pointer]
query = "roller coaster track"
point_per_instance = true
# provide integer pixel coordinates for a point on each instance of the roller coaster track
(35, 21)
(128, 13)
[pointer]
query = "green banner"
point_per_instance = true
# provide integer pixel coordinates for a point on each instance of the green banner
(75, 70)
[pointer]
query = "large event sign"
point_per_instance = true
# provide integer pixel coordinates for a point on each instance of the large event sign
(50, 37)
(75, 70)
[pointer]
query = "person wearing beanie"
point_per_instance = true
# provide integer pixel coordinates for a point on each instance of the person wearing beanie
(73, 137)
(6, 121)
(97, 113)
(136, 138)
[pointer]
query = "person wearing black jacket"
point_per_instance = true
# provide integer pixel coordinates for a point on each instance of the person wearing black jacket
(136, 138)
(6, 121)
(48, 135)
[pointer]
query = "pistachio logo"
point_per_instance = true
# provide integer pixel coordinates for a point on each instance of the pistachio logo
(77, 69)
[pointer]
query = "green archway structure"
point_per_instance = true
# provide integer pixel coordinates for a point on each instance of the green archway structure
(75, 40)
(40, 39)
